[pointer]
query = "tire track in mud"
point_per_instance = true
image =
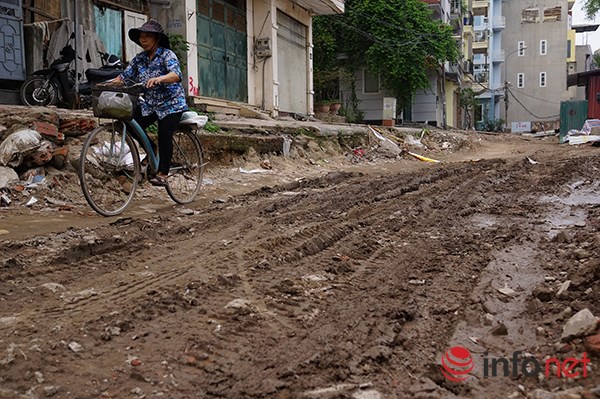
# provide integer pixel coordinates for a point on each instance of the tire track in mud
(328, 270)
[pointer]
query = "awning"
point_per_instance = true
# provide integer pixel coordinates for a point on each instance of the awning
(585, 28)
(581, 79)
(321, 7)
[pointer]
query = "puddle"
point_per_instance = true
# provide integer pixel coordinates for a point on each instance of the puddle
(516, 269)
(569, 209)
(564, 218)
(579, 195)
(484, 221)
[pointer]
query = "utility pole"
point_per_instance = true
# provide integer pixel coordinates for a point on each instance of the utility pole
(506, 101)
(506, 84)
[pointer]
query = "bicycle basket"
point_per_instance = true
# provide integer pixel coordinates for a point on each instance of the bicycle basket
(115, 102)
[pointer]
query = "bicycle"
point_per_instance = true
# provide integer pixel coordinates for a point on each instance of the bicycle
(110, 169)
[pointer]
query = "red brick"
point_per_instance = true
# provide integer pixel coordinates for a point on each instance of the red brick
(388, 122)
(592, 344)
(48, 130)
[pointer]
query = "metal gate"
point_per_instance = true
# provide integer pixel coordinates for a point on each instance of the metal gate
(12, 56)
(572, 115)
(223, 49)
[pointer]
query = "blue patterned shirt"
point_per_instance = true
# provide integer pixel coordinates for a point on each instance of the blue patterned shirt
(164, 99)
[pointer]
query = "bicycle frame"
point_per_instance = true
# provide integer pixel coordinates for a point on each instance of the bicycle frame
(144, 140)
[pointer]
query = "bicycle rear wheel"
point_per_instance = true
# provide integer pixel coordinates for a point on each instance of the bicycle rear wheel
(187, 167)
(109, 169)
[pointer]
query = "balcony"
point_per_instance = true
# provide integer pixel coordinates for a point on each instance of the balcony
(498, 23)
(436, 8)
(480, 7)
(498, 57)
(480, 44)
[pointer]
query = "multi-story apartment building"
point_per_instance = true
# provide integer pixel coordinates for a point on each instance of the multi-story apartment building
(488, 56)
(540, 49)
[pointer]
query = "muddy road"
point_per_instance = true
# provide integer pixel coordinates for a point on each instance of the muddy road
(350, 284)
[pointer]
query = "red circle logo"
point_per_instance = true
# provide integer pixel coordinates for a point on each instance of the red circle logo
(457, 363)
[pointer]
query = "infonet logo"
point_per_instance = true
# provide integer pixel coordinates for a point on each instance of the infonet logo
(458, 362)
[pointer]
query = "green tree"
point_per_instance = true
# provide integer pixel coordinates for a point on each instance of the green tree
(591, 8)
(596, 58)
(398, 39)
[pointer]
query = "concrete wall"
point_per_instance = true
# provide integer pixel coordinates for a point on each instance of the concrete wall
(541, 101)
(452, 105)
(427, 105)
(371, 104)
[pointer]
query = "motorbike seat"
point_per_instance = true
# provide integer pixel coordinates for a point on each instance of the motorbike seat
(99, 74)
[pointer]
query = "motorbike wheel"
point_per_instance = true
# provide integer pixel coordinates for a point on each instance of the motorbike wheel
(38, 91)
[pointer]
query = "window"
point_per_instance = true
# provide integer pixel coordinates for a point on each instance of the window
(520, 80)
(542, 79)
(521, 47)
(552, 14)
(530, 15)
(543, 47)
(568, 49)
(371, 82)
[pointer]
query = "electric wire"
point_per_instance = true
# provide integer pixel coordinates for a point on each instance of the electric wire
(528, 111)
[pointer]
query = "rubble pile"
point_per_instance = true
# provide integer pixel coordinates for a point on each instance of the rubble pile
(34, 156)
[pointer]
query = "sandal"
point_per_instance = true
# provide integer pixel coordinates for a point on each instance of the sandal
(159, 181)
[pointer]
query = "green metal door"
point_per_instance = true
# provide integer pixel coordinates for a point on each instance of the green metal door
(573, 115)
(222, 49)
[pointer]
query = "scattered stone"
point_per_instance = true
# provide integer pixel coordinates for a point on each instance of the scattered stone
(186, 211)
(51, 390)
(500, 329)
(370, 394)
(568, 312)
(7, 320)
(7, 176)
(592, 344)
(266, 164)
(562, 291)
(541, 394)
(39, 377)
(488, 319)
(416, 282)
(543, 293)
(54, 287)
(136, 362)
(239, 304)
(581, 324)
(4, 232)
(581, 254)
(506, 290)
(75, 347)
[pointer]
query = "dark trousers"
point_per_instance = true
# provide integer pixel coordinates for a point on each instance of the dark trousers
(166, 128)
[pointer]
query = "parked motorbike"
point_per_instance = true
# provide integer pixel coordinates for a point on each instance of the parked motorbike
(56, 84)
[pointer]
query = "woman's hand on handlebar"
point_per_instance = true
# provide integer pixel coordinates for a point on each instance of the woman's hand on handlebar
(153, 82)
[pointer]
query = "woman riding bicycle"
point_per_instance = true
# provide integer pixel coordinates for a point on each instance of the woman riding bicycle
(158, 68)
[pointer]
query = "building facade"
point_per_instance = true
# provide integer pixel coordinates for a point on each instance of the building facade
(540, 48)
(489, 24)
(251, 52)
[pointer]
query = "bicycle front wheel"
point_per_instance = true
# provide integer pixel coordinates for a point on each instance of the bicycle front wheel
(187, 167)
(109, 169)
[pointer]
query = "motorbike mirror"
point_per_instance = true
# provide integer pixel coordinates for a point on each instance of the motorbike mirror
(72, 35)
